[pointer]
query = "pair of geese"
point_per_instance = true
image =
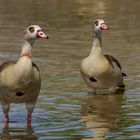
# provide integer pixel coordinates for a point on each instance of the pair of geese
(20, 82)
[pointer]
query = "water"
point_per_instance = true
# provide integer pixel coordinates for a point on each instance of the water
(64, 111)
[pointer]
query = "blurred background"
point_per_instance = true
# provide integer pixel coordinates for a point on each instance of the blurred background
(64, 111)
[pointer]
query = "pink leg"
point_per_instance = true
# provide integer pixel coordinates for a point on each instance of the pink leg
(6, 119)
(5, 108)
(30, 108)
(29, 118)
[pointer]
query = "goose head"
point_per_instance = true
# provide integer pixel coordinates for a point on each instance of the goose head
(34, 32)
(99, 24)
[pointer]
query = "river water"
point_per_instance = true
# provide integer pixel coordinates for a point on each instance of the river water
(64, 111)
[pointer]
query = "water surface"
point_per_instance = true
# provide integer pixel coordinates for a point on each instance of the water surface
(64, 111)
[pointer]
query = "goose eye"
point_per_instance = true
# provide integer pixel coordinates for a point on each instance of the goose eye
(96, 22)
(31, 29)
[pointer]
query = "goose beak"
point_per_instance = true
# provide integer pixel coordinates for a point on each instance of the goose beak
(104, 27)
(42, 35)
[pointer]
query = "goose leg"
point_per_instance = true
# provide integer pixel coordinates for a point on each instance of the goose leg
(30, 108)
(6, 108)
(92, 91)
(6, 117)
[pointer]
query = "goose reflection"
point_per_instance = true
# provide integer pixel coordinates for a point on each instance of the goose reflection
(15, 133)
(101, 113)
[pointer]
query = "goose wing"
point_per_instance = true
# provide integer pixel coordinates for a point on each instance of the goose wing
(6, 64)
(113, 61)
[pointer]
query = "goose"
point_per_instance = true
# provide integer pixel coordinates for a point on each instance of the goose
(20, 81)
(99, 70)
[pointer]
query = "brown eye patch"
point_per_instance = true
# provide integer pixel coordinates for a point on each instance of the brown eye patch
(31, 29)
(96, 22)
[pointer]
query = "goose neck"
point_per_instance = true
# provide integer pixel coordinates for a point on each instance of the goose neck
(26, 49)
(97, 43)
(97, 37)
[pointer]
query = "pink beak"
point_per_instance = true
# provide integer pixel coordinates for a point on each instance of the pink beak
(104, 26)
(41, 34)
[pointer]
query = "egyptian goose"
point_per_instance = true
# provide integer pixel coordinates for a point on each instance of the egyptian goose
(20, 82)
(99, 70)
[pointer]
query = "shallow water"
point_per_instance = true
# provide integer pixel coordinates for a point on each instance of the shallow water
(64, 110)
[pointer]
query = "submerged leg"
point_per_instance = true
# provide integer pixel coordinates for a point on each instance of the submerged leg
(92, 91)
